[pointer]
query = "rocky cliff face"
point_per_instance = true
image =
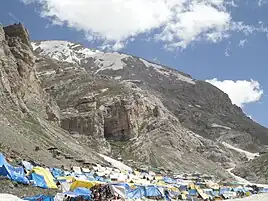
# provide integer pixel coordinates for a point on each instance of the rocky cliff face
(29, 116)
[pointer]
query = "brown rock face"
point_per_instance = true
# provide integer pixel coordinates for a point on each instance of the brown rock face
(29, 117)
(117, 123)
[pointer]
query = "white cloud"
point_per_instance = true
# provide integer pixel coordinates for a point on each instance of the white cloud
(227, 52)
(262, 2)
(242, 42)
(177, 23)
(241, 92)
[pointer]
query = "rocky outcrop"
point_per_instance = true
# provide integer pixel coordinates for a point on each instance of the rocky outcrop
(255, 170)
(29, 117)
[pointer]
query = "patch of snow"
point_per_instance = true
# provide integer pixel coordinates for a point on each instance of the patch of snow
(134, 81)
(258, 197)
(214, 125)
(104, 90)
(249, 155)
(8, 197)
(63, 50)
(52, 72)
(118, 77)
(168, 72)
(111, 60)
(238, 179)
(117, 164)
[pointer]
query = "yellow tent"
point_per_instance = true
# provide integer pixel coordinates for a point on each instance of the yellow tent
(192, 186)
(47, 176)
(84, 184)
(67, 178)
(158, 177)
(202, 194)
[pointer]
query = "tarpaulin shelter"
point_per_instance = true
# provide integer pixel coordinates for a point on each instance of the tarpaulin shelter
(118, 190)
(38, 180)
(27, 165)
(84, 184)
(136, 193)
(77, 170)
(48, 178)
(152, 191)
(56, 172)
(66, 178)
(169, 180)
(239, 189)
(82, 191)
(40, 198)
(13, 173)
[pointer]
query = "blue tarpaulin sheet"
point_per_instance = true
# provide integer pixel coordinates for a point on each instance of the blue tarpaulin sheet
(264, 190)
(224, 190)
(57, 172)
(136, 193)
(169, 180)
(239, 189)
(152, 191)
(39, 180)
(82, 191)
(193, 192)
(183, 188)
(40, 198)
(86, 193)
(2, 160)
(14, 173)
(125, 185)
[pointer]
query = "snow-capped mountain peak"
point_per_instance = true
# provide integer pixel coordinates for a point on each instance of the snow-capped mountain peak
(63, 50)
(117, 63)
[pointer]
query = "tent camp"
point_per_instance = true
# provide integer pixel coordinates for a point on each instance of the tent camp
(14, 173)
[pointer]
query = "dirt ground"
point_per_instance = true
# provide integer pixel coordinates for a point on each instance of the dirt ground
(8, 187)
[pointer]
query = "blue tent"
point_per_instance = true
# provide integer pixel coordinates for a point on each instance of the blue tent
(13, 173)
(169, 180)
(56, 172)
(136, 193)
(2, 160)
(125, 185)
(183, 188)
(239, 189)
(224, 190)
(193, 192)
(40, 198)
(264, 190)
(38, 180)
(82, 191)
(152, 191)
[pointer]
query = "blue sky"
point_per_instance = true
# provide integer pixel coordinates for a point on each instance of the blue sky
(223, 40)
